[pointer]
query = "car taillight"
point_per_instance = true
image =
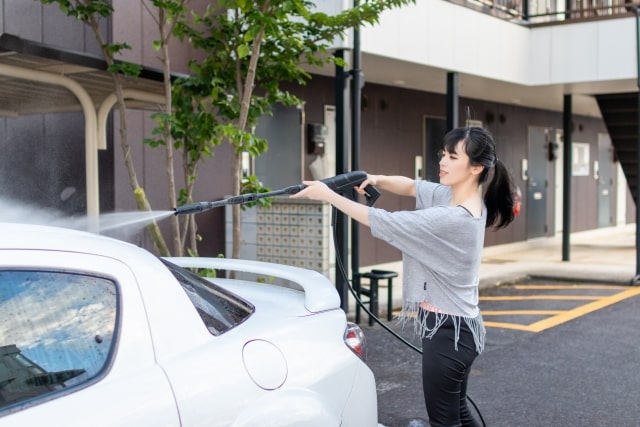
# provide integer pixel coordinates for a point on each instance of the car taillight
(354, 339)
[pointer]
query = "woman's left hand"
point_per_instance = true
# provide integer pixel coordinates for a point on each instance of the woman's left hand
(315, 190)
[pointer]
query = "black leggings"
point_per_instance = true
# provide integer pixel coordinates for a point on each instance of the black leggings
(445, 373)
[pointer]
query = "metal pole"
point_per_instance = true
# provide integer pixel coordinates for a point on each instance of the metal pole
(636, 279)
(566, 177)
(341, 225)
(356, 90)
(452, 101)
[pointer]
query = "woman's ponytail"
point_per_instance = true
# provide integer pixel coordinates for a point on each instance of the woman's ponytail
(481, 149)
(499, 198)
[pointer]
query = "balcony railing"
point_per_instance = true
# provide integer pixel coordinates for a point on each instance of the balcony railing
(552, 11)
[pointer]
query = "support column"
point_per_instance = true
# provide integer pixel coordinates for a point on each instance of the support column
(357, 82)
(452, 101)
(566, 177)
(342, 155)
(636, 279)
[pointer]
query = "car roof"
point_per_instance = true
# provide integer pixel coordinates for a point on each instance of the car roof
(42, 237)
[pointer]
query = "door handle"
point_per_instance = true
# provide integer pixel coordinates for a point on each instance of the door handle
(524, 165)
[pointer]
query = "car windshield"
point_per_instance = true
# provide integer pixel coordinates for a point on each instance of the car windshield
(219, 309)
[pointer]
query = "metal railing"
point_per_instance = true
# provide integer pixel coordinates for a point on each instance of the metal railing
(546, 12)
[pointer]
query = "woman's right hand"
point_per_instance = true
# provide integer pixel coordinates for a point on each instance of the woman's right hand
(371, 180)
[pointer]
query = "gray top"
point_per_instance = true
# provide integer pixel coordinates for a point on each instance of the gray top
(441, 252)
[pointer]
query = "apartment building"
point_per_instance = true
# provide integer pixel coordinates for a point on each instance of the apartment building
(530, 72)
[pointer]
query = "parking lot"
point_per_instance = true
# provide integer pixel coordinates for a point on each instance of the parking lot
(562, 340)
(557, 354)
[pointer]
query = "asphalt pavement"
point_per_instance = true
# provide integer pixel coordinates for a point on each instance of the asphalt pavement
(582, 372)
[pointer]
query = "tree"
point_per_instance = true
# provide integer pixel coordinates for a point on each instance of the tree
(166, 14)
(252, 47)
(91, 12)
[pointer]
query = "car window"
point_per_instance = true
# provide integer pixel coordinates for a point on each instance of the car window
(56, 332)
(219, 309)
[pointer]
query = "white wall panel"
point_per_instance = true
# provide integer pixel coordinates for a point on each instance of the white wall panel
(451, 37)
(617, 49)
(571, 59)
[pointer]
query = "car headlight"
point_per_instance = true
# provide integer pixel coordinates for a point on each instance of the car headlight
(355, 340)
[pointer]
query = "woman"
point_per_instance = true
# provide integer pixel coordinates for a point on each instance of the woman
(441, 243)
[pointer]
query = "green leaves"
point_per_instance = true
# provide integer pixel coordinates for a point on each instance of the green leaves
(83, 10)
(251, 184)
(126, 68)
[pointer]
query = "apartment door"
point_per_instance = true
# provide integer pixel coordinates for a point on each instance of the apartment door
(534, 172)
(603, 173)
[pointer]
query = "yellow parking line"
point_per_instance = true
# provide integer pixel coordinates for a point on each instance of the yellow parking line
(507, 326)
(582, 310)
(564, 316)
(614, 287)
(539, 297)
(520, 312)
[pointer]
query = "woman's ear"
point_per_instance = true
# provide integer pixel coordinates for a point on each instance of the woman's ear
(477, 169)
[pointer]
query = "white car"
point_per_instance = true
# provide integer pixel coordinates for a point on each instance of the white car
(98, 332)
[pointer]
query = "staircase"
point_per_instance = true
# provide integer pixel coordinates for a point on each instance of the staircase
(620, 114)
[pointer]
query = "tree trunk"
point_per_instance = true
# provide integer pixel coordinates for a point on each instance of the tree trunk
(138, 192)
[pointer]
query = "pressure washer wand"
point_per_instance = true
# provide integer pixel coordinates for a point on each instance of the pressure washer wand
(235, 200)
(342, 184)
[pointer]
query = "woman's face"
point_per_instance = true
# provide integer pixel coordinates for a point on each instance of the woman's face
(455, 167)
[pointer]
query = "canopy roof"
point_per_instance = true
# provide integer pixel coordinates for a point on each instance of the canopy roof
(21, 95)
(36, 78)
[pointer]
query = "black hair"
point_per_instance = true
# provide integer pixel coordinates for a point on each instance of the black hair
(478, 144)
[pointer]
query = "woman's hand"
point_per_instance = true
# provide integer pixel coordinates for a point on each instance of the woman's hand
(371, 180)
(318, 190)
(315, 190)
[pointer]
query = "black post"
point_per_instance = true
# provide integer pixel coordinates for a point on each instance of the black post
(341, 224)
(636, 279)
(356, 89)
(452, 101)
(566, 177)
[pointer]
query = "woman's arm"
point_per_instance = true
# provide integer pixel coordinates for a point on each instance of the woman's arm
(396, 184)
(318, 190)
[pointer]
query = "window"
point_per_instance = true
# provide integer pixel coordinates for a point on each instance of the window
(56, 331)
(219, 309)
